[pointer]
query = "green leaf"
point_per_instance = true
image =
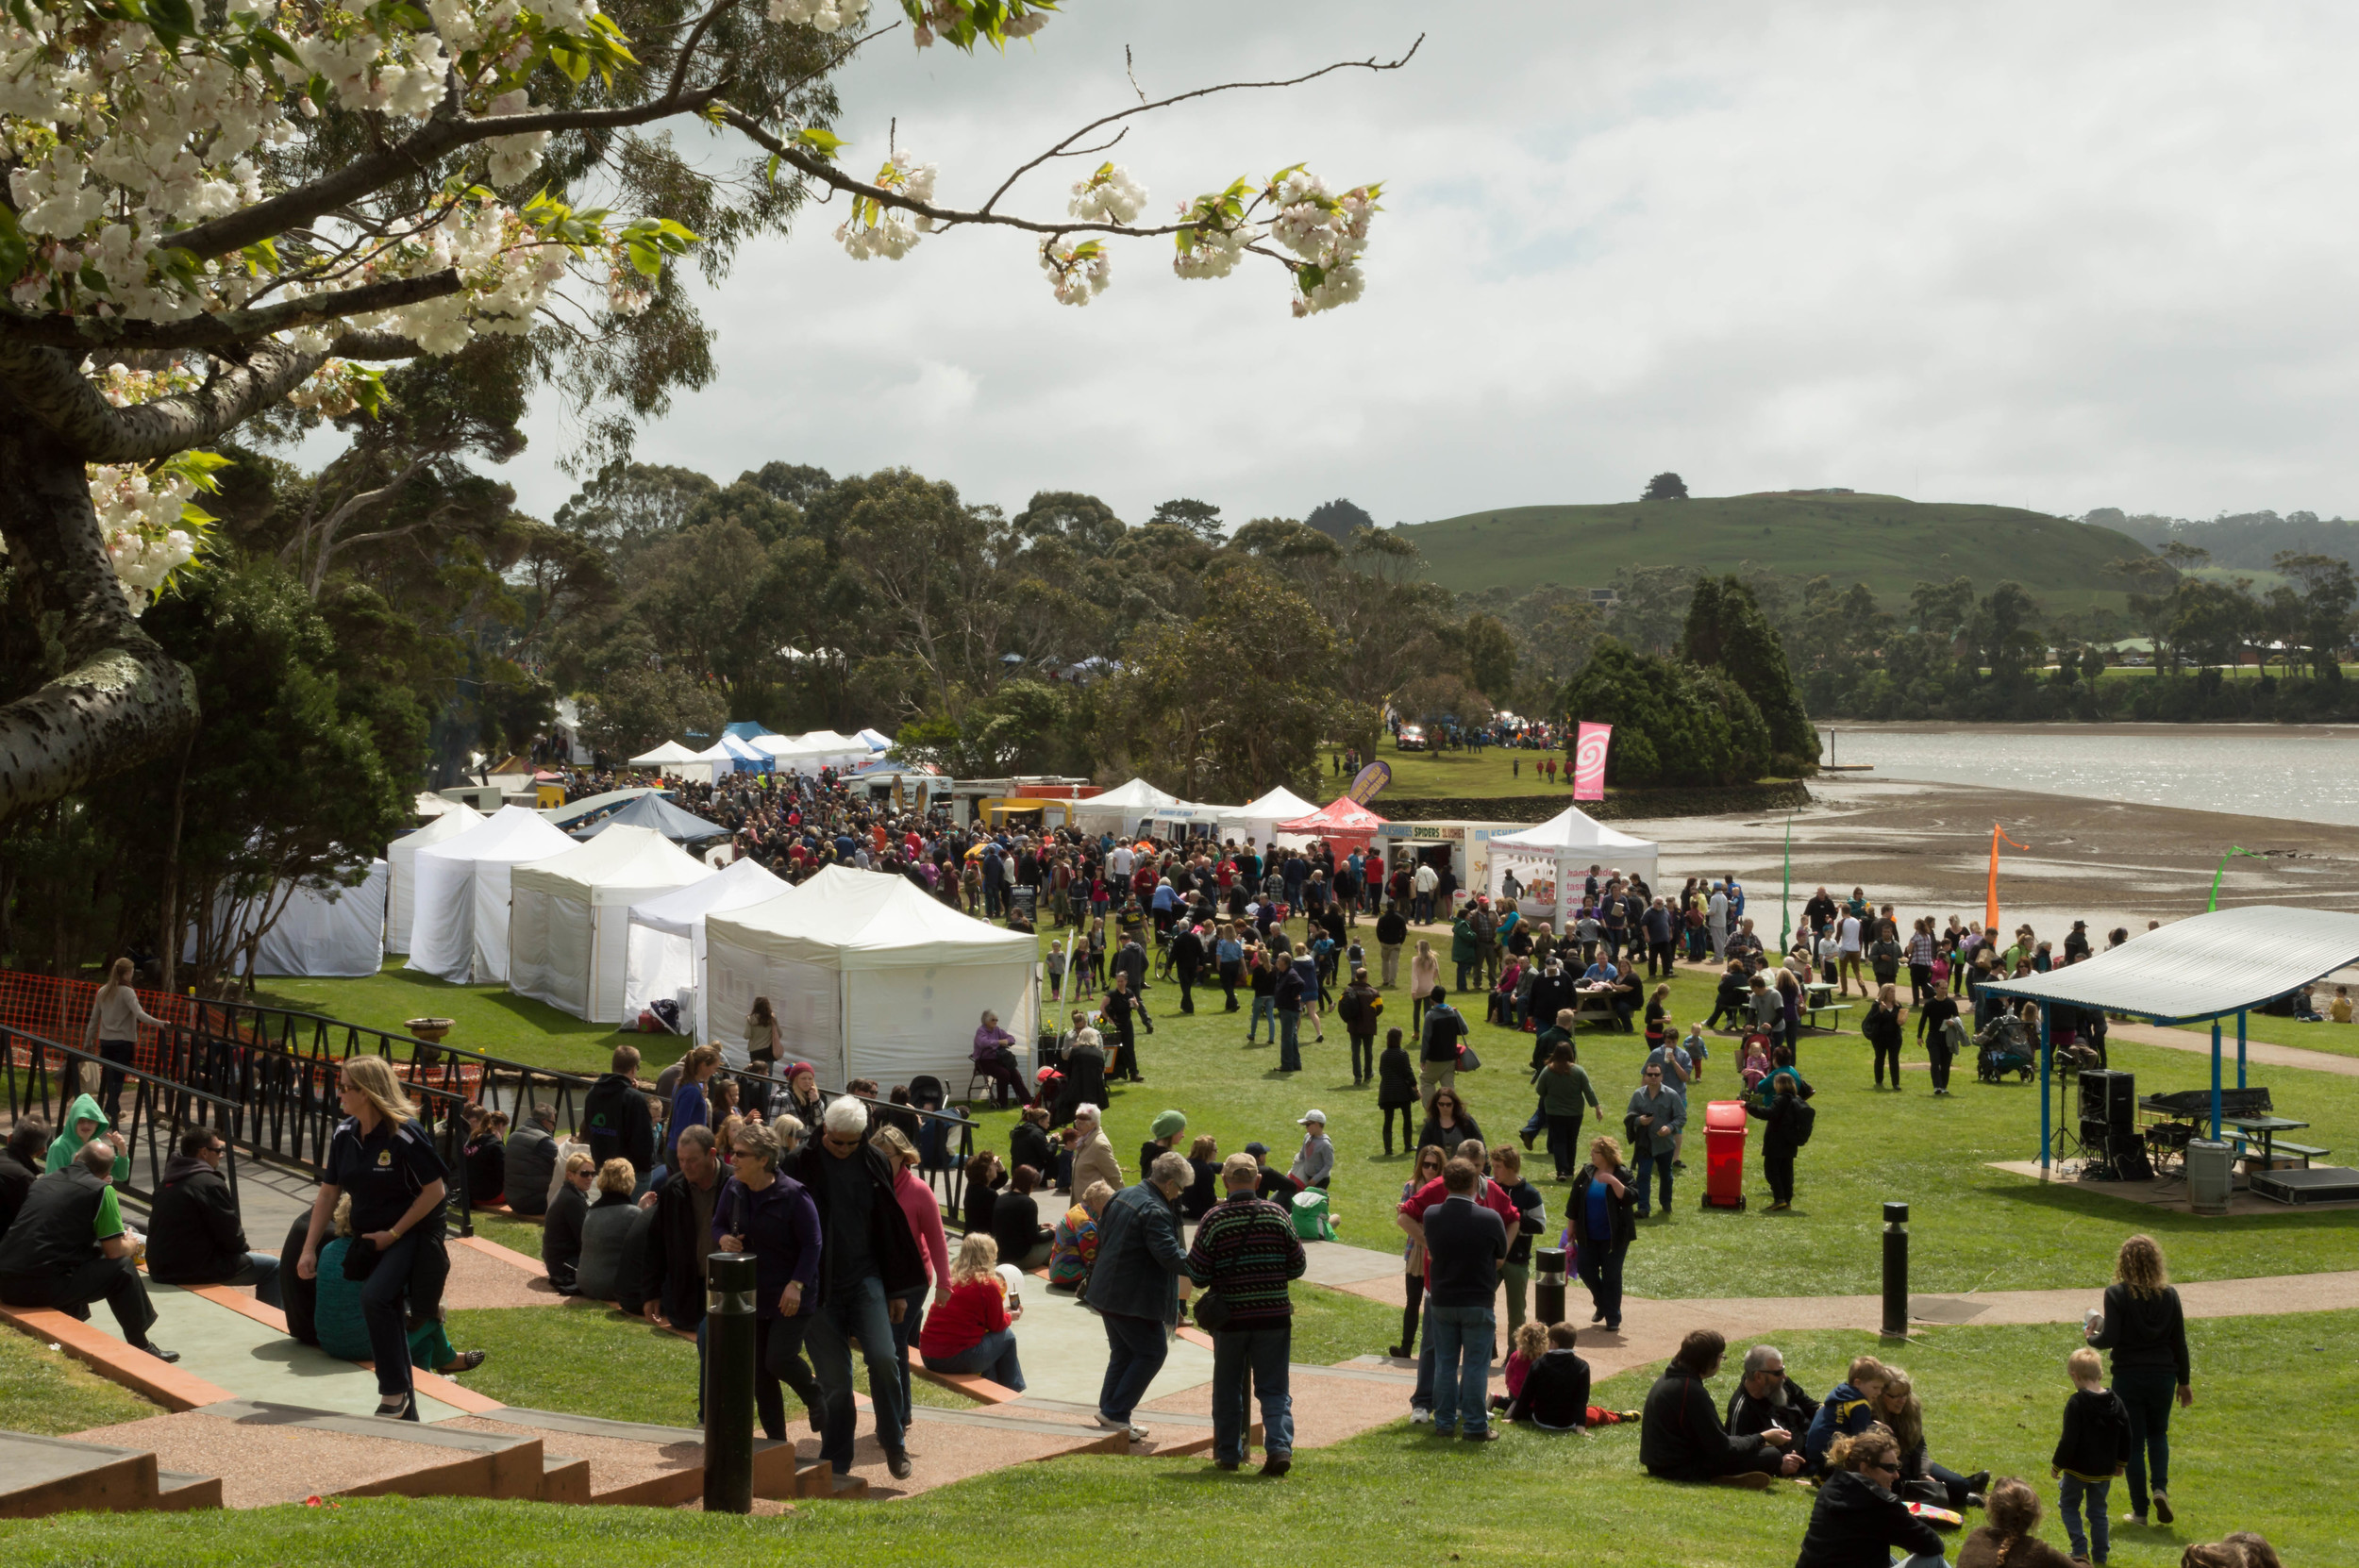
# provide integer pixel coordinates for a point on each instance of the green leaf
(15, 255)
(770, 174)
(172, 19)
(368, 390)
(819, 139)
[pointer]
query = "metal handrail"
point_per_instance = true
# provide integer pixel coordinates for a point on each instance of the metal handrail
(159, 1103)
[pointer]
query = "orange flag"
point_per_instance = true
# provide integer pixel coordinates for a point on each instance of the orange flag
(1990, 902)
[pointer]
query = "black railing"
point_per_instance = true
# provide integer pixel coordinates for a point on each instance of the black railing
(44, 1078)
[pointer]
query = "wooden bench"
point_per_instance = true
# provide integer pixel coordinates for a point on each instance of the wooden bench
(2280, 1150)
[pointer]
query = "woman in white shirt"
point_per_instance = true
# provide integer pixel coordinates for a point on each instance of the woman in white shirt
(115, 1024)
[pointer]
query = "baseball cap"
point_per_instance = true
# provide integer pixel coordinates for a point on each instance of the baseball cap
(1309, 1116)
(1257, 1150)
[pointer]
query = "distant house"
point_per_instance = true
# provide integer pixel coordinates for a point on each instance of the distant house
(1604, 598)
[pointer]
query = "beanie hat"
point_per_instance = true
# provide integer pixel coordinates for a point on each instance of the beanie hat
(1169, 1125)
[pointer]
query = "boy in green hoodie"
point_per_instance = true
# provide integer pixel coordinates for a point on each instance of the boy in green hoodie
(82, 1123)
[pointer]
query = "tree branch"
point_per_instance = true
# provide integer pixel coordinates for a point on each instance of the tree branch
(51, 387)
(1371, 64)
(230, 328)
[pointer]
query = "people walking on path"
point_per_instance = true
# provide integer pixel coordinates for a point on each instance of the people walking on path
(2147, 1331)
(1136, 1286)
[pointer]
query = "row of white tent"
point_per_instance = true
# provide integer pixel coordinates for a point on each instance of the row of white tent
(732, 753)
(867, 974)
(1124, 808)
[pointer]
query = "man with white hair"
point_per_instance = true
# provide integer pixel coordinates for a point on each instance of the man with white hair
(1768, 1397)
(1136, 1285)
(868, 1260)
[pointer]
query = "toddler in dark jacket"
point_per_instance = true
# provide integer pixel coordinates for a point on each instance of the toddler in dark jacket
(2092, 1451)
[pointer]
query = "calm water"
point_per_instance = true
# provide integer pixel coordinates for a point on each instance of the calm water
(2306, 774)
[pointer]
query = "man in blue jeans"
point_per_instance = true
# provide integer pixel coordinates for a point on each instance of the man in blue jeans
(1466, 1244)
(867, 1261)
(1657, 1115)
(1246, 1248)
(1134, 1286)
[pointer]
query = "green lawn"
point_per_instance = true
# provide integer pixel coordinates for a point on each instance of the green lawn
(490, 1019)
(2266, 1388)
(46, 1392)
(1435, 775)
(1969, 1220)
(2340, 1040)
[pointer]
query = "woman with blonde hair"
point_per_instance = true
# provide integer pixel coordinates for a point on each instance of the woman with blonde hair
(974, 1331)
(763, 1210)
(114, 1028)
(1858, 1518)
(1900, 1409)
(614, 1239)
(2144, 1327)
(385, 1160)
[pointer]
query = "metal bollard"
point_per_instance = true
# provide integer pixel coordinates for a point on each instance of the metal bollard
(730, 1384)
(1548, 1285)
(1896, 1271)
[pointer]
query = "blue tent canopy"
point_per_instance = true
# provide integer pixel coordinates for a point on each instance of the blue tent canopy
(660, 814)
(745, 729)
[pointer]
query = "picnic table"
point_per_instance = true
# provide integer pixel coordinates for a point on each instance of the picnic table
(2268, 1127)
(1817, 997)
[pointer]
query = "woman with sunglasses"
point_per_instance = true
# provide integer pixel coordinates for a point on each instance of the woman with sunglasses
(1857, 1520)
(1430, 1163)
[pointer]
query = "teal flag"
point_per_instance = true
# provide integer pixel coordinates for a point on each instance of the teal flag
(2233, 850)
(1785, 894)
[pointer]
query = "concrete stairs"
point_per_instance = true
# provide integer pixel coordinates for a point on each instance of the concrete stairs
(41, 1476)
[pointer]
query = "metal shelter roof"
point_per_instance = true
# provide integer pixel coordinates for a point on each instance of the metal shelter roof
(2206, 966)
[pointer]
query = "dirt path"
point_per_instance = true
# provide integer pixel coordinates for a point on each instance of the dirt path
(2254, 1050)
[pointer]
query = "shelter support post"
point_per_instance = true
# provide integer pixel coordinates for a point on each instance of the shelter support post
(2240, 1047)
(2046, 1106)
(2216, 1074)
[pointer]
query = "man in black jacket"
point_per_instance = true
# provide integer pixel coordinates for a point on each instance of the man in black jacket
(67, 1249)
(868, 1263)
(1681, 1438)
(1392, 929)
(1768, 1397)
(20, 1165)
(197, 1238)
(614, 1117)
(1187, 962)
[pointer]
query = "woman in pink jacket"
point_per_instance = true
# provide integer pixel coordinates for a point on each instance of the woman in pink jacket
(922, 1212)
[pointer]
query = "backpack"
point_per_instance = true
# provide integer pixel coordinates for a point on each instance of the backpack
(1806, 1117)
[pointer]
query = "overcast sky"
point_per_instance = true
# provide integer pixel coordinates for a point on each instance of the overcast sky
(2053, 256)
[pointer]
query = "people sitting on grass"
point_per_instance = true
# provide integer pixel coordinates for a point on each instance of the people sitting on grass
(529, 1164)
(1028, 1143)
(560, 1230)
(613, 1240)
(2006, 1539)
(1766, 1397)
(1849, 1410)
(1681, 1438)
(342, 1328)
(197, 1234)
(84, 1123)
(1554, 1393)
(2244, 1549)
(985, 1176)
(1922, 1479)
(1073, 1251)
(1858, 1519)
(972, 1331)
(1163, 1135)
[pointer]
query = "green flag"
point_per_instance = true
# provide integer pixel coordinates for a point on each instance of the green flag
(2233, 850)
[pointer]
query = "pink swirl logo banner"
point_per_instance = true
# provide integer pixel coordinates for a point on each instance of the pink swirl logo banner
(1589, 762)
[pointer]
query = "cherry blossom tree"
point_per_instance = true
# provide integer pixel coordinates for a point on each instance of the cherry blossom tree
(221, 211)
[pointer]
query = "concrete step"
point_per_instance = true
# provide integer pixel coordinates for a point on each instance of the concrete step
(634, 1462)
(266, 1455)
(41, 1476)
(457, 1463)
(177, 1491)
(564, 1479)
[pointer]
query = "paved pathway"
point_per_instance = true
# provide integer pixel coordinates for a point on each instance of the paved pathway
(2254, 1050)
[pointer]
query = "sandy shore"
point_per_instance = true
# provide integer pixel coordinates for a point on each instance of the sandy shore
(1925, 849)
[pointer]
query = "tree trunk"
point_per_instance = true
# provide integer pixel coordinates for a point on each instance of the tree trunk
(169, 920)
(113, 697)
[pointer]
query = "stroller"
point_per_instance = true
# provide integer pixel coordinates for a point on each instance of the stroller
(2003, 1047)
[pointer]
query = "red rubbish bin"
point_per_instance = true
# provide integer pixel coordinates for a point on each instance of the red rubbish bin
(1724, 1154)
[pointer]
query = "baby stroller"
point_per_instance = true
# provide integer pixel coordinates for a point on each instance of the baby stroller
(2003, 1047)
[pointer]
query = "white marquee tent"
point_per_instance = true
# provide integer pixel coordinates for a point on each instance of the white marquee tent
(458, 927)
(869, 977)
(809, 753)
(1120, 810)
(666, 950)
(668, 756)
(1258, 819)
(322, 932)
(569, 917)
(1558, 853)
(401, 867)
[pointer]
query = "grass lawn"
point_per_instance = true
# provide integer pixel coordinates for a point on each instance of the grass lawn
(1994, 1399)
(490, 1019)
(46, 1392)
(1969, 1220)
(1432, 776)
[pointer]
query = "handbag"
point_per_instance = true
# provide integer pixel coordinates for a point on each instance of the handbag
(1467, 1060)
(1210, 1310)
(361, 1257)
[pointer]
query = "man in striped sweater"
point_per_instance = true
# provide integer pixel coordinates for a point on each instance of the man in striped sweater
(1245, 1250)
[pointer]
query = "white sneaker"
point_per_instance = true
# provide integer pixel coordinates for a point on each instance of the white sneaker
(1420, 1416)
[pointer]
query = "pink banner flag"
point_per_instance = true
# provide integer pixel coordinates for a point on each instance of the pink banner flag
(1589, 762)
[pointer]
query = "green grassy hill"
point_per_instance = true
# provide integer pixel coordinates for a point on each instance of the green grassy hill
(1884, 540)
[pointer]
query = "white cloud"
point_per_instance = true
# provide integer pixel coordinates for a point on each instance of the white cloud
(2070, 256)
